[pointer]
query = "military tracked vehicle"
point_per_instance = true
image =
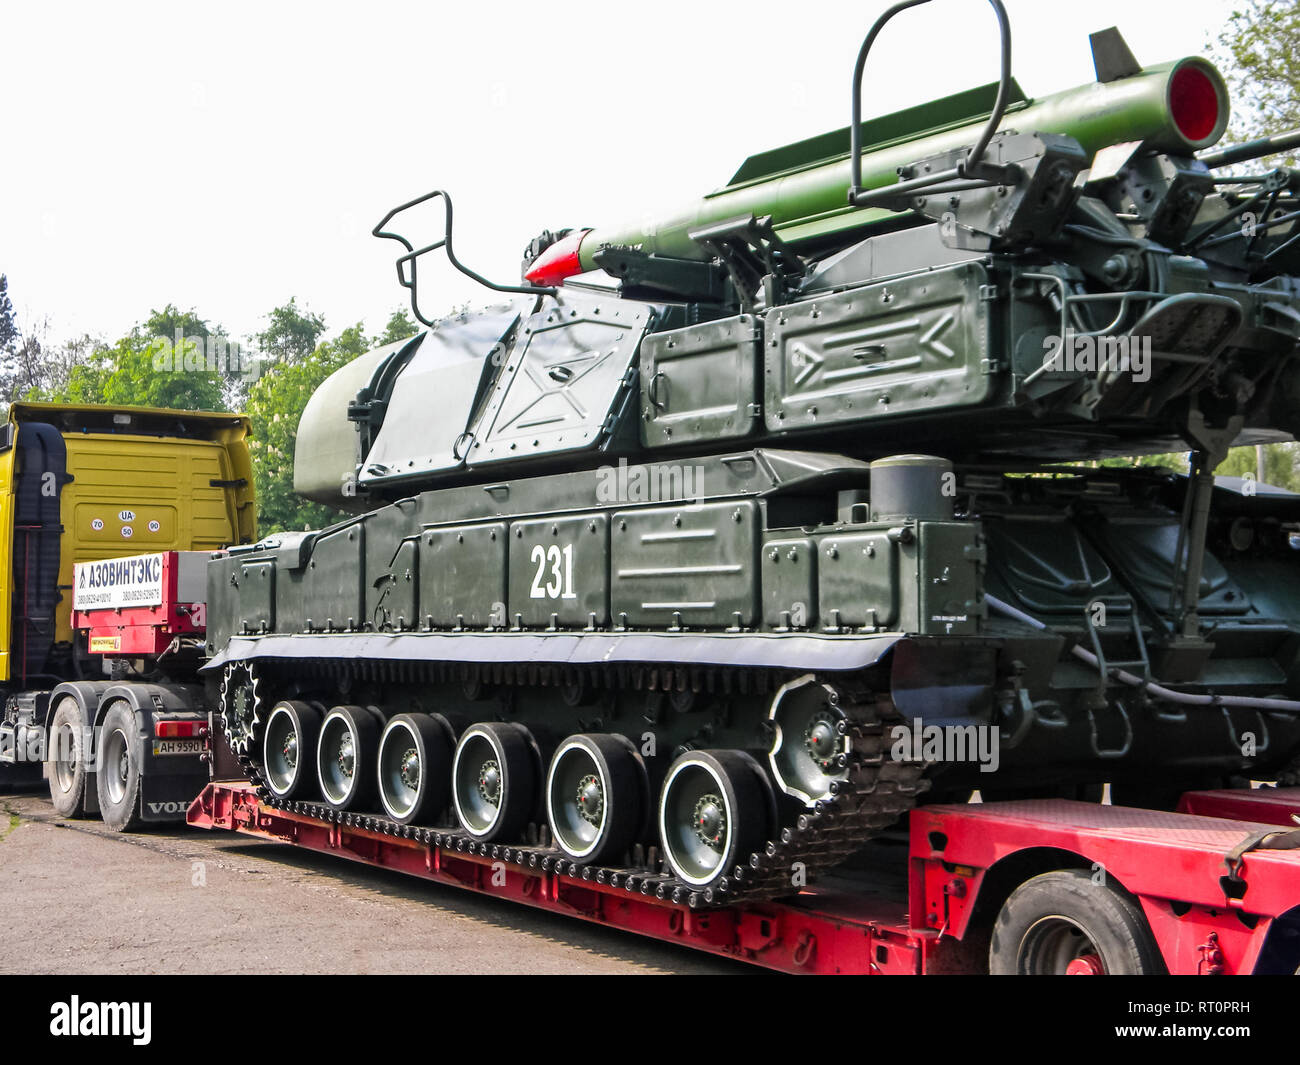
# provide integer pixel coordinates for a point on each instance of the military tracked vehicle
(721, 541)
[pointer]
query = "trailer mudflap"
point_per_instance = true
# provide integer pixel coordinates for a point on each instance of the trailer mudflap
(167, 797)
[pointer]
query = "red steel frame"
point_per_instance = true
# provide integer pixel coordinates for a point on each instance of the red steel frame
(1173, 863)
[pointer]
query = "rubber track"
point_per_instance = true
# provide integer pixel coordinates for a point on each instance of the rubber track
(876, 793)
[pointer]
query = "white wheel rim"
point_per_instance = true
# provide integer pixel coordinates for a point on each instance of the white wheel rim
(576, 835)
(690, 861)
(476, 814)
(395, 791)
(332, 758)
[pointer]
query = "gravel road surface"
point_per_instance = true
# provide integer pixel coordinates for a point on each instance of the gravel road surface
(180, 900)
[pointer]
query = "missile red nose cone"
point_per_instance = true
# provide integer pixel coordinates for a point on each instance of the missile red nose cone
(557, 262)
(1194, 101)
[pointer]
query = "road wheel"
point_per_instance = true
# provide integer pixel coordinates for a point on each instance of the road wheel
(1065, 923)
(117, 772)
(289, 747)
(595, 797)
(714, 812)
(345, 756)
(66, 759)
(494, 780)
(415, 754)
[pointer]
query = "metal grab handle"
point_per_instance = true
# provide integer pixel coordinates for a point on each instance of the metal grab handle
(1095, 735)
(1236, 737)
(859, 197)
(413, 253)
(652, 391)
(467, 438)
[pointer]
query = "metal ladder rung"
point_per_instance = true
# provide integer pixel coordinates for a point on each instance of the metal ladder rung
(1141, 665)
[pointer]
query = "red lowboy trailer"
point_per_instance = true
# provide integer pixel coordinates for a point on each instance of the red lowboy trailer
(1032, 886)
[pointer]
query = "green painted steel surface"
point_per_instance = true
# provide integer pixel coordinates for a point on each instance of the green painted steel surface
(811, 200)
(653, 507)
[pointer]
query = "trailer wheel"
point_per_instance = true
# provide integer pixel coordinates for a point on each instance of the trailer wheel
(66, 759)
(1064, 923)
(117, 775)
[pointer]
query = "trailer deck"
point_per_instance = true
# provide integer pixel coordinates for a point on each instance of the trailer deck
(1221, 893)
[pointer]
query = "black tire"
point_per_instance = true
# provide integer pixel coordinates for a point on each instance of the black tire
(746, 814)
(619, 781)
(66, 736)
(347, 781)
(432, 739)
(1062, 917)
(497, 808)
(289, 748)
(117, 768)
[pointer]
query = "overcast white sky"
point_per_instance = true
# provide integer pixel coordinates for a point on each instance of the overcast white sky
(229, 157)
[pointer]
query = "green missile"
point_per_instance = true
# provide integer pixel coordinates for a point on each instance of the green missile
(1180, 107)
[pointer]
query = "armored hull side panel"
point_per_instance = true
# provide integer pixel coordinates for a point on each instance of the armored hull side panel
(687, 624)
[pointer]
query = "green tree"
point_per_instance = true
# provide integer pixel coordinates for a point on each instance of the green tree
(1272, 464)
(9, 335)
(400, 326)
(1177, 461)
(172, 359)
(275, 405)
(1259, 51)
(11, 340)
(291, 334)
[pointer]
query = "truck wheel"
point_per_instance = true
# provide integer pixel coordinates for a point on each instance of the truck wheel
(66, 759)
(118, 774)
(1064, 923)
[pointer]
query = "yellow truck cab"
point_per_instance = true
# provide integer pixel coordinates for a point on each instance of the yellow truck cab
(82, 483)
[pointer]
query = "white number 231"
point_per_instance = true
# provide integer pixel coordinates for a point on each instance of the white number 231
(559, 562)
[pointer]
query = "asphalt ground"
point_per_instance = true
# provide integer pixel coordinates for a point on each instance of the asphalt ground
(176, 900)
